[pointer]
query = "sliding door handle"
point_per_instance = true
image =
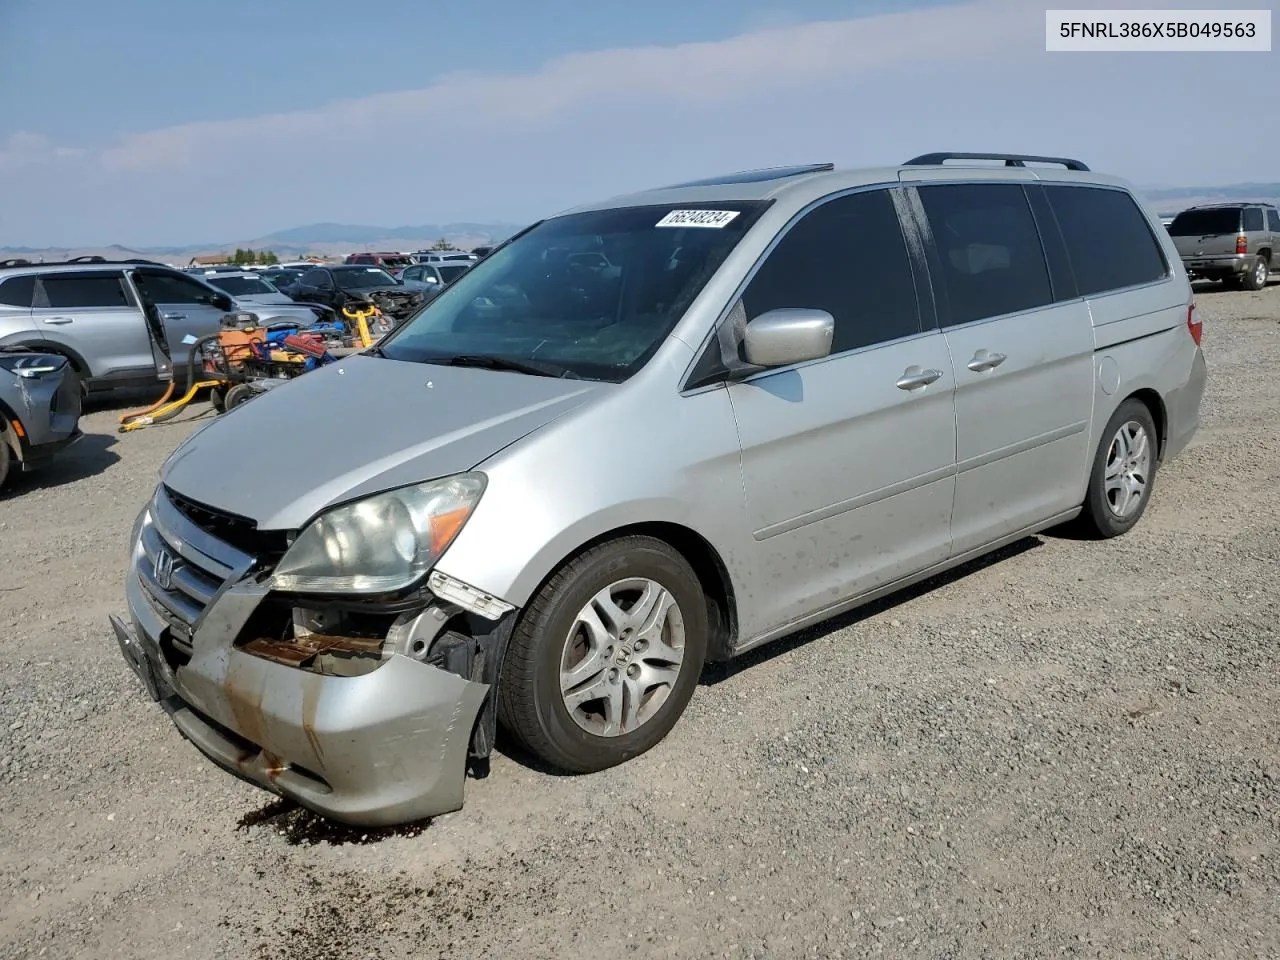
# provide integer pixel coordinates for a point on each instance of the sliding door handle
(913, 378)
(985, 360)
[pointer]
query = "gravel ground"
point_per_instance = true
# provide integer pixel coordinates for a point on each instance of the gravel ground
(1068, 749)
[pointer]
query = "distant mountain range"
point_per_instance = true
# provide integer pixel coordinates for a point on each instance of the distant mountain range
(1169, 200)
(317, 239)
(339, 239)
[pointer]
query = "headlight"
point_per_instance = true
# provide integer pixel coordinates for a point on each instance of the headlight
(32, 365)
(380, 544)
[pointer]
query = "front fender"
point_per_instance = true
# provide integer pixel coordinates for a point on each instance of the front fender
(513, 566)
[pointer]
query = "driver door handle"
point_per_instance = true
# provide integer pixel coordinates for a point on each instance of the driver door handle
(914, 377)
(57, 320)
(175, 316)
(985, 360)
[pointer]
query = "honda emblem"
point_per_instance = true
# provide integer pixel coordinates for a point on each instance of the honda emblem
(164, 569)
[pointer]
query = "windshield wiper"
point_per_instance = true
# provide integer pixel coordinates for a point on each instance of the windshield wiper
(538, 368)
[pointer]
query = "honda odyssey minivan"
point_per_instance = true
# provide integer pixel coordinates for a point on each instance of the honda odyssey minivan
(551, 496)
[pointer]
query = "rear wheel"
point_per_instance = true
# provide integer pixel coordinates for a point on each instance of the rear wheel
(1124, 471)
(1257, 278)
(606, 657)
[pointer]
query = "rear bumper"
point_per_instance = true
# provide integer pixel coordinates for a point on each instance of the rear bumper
(384, 748)
(1211, 267)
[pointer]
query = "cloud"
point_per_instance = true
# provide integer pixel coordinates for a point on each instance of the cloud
(487, 145)
(762, 61)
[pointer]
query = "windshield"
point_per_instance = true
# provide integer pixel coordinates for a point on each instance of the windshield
(601, 318)
(363, 278)
(242, 286)
(1203, 223)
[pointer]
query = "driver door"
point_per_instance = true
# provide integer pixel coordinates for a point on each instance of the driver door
(188, 309)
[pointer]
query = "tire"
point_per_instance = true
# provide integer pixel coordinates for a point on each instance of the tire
(550, 637)
(218, 399)
(237, 395)
(1256, 278)
(1109, 510)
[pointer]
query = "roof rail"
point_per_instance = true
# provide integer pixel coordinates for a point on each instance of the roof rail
(81, 261)
(763, 175)
(1010, 160)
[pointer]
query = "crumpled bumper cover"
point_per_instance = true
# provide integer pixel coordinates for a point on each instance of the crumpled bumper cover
(385, 748)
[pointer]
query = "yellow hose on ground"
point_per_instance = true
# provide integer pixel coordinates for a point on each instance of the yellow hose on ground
(164, 413)
(151, 409)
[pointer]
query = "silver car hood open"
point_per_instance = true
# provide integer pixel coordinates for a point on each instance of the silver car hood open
(358, 427)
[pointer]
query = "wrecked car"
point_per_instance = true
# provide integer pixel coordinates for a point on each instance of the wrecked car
(40, 404)
(353, 285)
(641, 435)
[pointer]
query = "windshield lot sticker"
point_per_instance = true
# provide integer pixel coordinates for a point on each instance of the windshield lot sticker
(697, 218)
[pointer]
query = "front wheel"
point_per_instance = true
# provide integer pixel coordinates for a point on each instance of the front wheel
(1124, 471)
(606, 656)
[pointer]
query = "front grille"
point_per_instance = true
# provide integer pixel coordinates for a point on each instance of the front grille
(187, 553)
(239, 532)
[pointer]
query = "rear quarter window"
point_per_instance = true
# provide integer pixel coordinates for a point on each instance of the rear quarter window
(1108, 239)
(1253, 219)
(1273, 220)
(17, 291)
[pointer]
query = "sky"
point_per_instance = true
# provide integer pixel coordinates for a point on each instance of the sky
(154, 122)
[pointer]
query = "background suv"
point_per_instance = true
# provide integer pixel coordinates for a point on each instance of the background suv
(120, 324)
(1234, 243)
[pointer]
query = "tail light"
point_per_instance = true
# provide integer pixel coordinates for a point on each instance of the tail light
(1242, 244)
(1195, 326)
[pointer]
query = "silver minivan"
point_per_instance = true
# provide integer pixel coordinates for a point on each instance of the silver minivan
(644, 434)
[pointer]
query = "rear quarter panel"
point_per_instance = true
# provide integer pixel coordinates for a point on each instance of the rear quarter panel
(1142, 344)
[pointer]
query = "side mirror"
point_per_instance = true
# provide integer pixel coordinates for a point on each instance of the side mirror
(223, 302)
(790, 335)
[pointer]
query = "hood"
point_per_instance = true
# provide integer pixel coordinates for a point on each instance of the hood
(358, 427)
(264, 298)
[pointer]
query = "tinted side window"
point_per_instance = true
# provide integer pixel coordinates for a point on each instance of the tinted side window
(315, 278)
(18, 291)
(171, 288)
(989, 248)
(1110, 243)
(847, 257)
(1252, 218)
(69, 290)
(1273, 221)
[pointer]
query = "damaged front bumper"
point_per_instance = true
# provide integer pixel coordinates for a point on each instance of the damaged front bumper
(387, 746)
